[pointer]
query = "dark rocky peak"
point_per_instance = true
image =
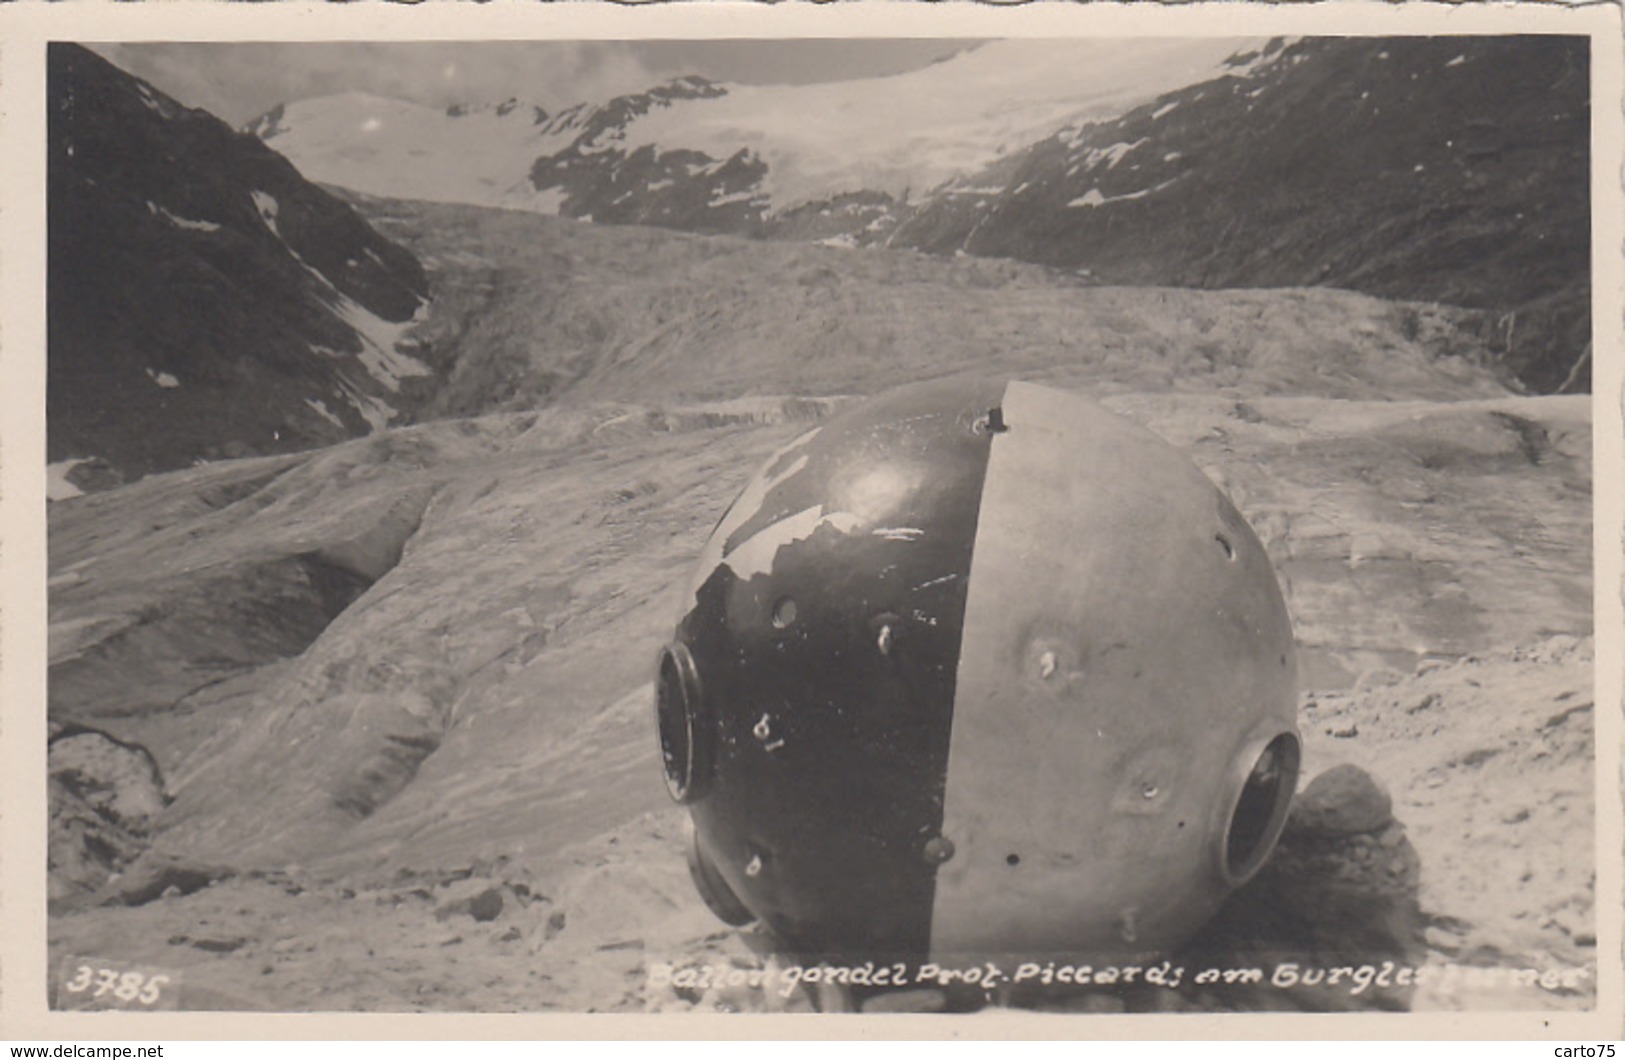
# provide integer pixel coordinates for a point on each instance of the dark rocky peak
(204, 299)
(267, 125)
(689, 86)
(1271, 49)
(568, 118)
(666, 186)
(501, 110)
(115, 132)
(609, 120)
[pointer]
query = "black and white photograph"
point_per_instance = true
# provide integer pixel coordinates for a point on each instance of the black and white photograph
(1082, 525)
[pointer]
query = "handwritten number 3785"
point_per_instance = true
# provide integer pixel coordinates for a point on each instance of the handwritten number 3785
(130, 986)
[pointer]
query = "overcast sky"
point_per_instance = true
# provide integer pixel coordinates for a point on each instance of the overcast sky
(239, 82)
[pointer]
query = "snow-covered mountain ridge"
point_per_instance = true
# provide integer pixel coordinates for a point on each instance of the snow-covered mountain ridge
(901, 134)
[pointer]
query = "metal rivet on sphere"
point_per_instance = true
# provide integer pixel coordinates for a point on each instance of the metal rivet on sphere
(784, 613)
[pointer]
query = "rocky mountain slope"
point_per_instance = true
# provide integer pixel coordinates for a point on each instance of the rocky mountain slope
(394, 694)
(205, 300)
(1446, 169)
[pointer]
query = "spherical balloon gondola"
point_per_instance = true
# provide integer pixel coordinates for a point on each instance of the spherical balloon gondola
(979, 669)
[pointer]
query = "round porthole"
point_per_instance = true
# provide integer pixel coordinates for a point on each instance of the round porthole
(1260, 809)
(685, 741)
